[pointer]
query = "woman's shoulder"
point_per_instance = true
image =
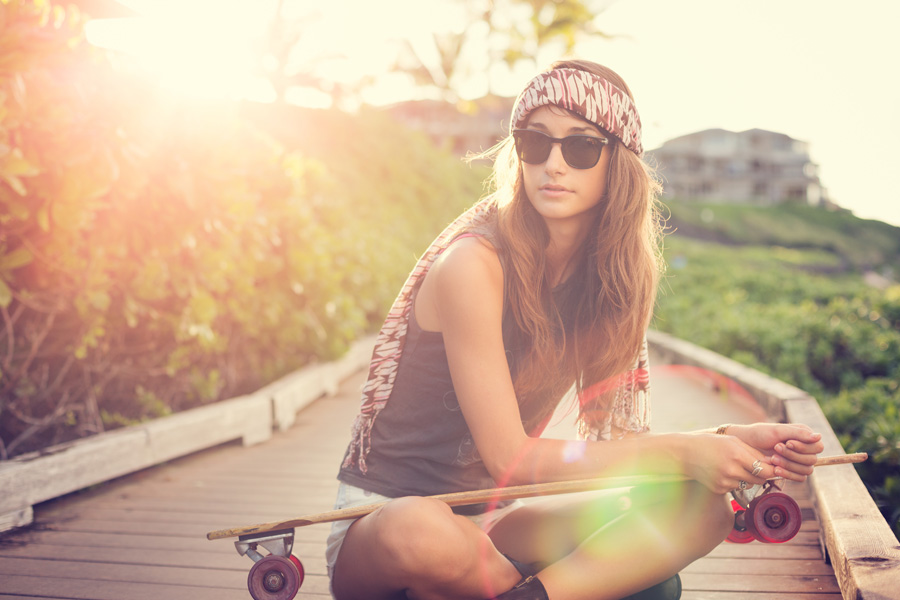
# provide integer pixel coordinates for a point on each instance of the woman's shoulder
(465, 279)
(469, 257)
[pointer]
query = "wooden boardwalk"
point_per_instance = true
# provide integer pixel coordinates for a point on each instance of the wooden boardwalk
(143, 537)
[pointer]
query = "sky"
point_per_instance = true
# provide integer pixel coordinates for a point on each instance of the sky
(821, 71)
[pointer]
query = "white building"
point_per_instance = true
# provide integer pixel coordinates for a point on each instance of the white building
(753, 166)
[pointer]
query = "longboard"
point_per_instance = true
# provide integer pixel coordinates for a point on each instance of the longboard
(491, 495)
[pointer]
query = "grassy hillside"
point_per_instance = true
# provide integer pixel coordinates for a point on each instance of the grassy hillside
(853, 243)
(781, 289)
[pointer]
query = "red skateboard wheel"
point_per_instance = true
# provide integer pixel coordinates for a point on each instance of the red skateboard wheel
(300, 569)
(739, 533)
(773, 518)
(274, 578)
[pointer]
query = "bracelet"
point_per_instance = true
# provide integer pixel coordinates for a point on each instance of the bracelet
(722, 429)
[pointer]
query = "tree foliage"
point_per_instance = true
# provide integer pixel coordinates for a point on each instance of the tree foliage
(158, 254)
(489, 34)
(506, 32)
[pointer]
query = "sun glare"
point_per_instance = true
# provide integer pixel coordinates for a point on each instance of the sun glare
(199, 48)
(214, 49)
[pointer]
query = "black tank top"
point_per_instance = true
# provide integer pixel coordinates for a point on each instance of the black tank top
(421, 444)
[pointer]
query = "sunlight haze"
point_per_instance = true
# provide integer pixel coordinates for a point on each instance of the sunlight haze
(817, 70)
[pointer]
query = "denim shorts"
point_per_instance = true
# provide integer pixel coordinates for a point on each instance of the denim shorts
(349, 496)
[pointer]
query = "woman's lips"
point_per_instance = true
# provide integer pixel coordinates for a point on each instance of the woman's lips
(554, 190)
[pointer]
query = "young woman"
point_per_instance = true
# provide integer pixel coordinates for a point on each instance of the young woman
(546, 285)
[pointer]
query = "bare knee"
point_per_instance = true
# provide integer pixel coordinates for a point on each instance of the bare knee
(425, 541)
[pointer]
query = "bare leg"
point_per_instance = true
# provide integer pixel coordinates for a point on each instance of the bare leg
(594, 551)
(417, 548)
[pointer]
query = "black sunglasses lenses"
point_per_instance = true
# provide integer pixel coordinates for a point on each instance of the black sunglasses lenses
(579, 151)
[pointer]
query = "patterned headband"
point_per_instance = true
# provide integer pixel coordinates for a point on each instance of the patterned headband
(587, 95)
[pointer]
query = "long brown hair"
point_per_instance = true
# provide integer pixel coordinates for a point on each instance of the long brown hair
(619, 270)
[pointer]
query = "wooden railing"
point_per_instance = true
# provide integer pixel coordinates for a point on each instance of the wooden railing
(33, 478)
(863, 551)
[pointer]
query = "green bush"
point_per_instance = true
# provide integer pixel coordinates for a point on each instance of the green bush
(868, 420)
(833, 336)
(159, 254)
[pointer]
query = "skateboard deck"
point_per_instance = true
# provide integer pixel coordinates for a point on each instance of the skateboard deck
(490, 495)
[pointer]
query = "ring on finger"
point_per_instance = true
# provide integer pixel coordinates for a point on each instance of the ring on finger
(757, 468)
(742, 484)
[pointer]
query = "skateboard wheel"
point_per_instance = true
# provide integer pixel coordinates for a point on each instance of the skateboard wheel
(300, 568)
(274, 578)
(773, 518)
(739, 533)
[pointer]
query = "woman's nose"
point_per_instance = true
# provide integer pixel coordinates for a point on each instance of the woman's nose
(555, 161)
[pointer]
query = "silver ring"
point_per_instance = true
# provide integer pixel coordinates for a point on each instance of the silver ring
(757, 468)
(743, 484)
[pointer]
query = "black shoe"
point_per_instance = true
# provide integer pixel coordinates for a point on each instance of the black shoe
(670, 589)
(524, 569)
(529, 588)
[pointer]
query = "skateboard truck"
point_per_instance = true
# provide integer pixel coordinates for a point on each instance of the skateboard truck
(277, 576)
(764, 513)
(279, 543)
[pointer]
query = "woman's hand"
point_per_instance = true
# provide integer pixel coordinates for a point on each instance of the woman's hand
(722, 462)
(791, 449)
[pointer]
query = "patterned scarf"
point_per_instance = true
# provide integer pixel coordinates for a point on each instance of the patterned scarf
(392, 337)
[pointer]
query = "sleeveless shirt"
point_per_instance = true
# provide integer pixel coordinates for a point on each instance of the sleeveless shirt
(420, 443)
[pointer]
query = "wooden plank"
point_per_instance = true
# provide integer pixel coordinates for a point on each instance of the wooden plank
(183, 530)
(864, 551)
(745, 595)
(47, 586)
(187, 575)
(773, 584)
(767, 551)
(32, 479)
(759, 566)
(172, 557)
(105, 540)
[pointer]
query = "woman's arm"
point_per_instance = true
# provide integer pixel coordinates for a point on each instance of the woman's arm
(463, 298)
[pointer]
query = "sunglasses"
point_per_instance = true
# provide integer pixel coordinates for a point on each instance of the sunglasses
(579, 151)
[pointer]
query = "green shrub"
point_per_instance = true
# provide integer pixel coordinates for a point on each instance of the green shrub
(832, 336)
(159, 254)
(868, 420)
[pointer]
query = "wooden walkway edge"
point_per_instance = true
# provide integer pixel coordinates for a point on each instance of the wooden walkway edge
(32, 478)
